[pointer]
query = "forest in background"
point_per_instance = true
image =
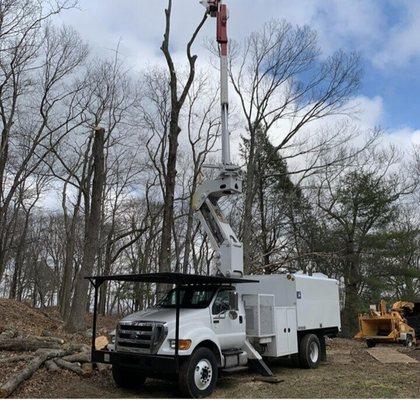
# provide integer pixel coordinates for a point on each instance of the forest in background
(122, 153)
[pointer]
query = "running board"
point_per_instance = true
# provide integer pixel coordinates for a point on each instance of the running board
(238, 368)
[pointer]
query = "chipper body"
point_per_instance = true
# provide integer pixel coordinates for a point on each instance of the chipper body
(390, 326)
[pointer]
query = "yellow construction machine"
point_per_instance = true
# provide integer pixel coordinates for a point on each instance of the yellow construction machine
(401, 324)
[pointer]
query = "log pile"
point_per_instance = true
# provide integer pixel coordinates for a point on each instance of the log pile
(50, 352)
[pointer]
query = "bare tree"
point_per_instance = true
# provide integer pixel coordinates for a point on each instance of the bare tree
(76, 319)
(177, 102)
(279, 77)
(34, 58)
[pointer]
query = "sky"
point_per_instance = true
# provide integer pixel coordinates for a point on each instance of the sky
(385, 32)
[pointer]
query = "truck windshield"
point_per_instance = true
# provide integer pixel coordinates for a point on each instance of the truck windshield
(190, 297)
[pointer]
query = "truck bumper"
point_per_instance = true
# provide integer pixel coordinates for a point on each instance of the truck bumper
(151, 364)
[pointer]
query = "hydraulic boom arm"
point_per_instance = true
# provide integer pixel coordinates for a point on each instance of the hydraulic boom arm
(229, 252)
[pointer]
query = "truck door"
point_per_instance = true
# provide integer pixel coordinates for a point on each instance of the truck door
(228, 325)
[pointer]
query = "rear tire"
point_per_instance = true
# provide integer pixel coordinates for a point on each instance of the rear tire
(128, 378)
(198, 374)
(309, 351)
(370, 343)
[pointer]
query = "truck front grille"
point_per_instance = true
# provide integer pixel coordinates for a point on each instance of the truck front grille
(140, 336)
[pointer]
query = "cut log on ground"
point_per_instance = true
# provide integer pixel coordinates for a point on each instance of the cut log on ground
(52, 366)
(78, 357)
(11, 360)
(87, 369)
(9, 334)
(72, 348)
(101, 342)
(40, 357)
(49, 339)
(103, 367)
(70, 366)
(22, 344)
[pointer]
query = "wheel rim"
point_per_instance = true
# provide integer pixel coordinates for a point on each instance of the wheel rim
(313, 352)
(202, 374)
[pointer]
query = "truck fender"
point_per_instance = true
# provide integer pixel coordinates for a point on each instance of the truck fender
(213, 347)
(205, 337)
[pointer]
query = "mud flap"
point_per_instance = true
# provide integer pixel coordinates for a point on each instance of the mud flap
(323, 348)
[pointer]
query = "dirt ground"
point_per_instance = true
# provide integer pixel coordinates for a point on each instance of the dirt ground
(349, 372)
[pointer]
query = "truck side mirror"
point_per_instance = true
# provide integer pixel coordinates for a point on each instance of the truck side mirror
(234, 301)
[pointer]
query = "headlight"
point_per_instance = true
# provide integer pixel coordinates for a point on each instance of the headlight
(112, 337)
(183, 344)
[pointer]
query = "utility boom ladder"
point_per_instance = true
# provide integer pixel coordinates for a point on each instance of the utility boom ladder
(229, 251)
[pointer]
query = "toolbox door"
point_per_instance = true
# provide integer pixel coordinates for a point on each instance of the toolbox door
(292, 330)
(282, 343)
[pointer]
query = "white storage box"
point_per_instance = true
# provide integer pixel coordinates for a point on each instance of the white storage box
(316, 298)
(259, 312)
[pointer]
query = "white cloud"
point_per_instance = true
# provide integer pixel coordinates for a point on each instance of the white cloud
(357, 24)
(402, 44)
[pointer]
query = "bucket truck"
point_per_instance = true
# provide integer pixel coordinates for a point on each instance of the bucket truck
(225, 322)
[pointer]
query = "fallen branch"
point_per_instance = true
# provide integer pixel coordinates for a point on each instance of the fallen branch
(52, 366)
(78, 357)
(49, 339)
(16, 380)
(102, 367)
(10, 360)
(9, 334)
(70, 366)
(22, 344)
(87, 369)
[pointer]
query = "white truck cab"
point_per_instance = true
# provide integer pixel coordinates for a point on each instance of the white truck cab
(205, 315)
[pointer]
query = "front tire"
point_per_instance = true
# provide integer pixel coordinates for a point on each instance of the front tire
(409, 342)
(128, 378)
(370, 343)
(309, 351)
(198, 374)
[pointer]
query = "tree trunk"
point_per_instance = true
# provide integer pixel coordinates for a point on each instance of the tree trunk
(76, 320)
(174, 131)
(65, 297)
(352, 301)
(249, 199)
(350, 311)
(107, 270)
(190, 221)
(18, 261)
(264, 233)
(168, 207)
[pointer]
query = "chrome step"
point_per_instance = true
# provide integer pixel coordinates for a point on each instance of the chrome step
(232, 352)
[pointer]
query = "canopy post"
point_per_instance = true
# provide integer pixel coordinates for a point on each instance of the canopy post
(96, 284)
(177, 307)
